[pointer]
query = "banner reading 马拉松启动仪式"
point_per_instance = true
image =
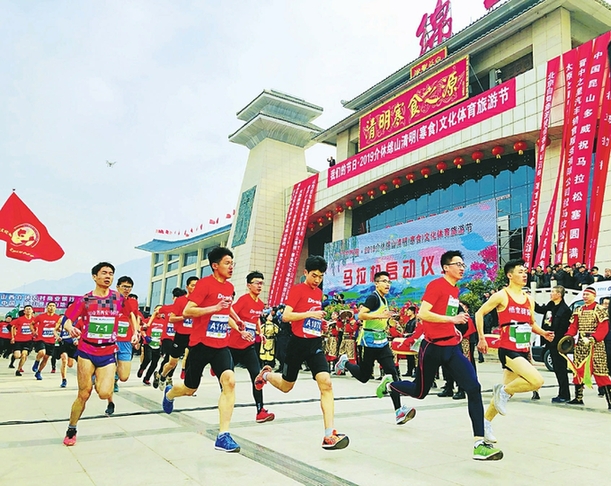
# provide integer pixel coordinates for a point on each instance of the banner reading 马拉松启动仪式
(411, 252)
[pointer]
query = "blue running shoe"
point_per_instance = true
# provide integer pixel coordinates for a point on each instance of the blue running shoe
(38, 375)
(168, 405)
(64, 383)
(224, 442)
(35, 367)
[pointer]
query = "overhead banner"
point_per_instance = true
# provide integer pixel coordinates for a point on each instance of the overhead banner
(411, 253)
(424, 99)
(300, 209)
(38, 301)
(495, 101)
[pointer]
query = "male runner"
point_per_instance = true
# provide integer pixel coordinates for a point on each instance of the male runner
(248, 309)
(183, 326)
(66, 350)
(441, 346)
(5, 336)
(21, 337)
(590, 323)
(376, 317)
(516, 313)
(167, 337)
(98, 311)
(304, 311)
(209, 305)
(128, 327)
(153, 330)
(43, 332)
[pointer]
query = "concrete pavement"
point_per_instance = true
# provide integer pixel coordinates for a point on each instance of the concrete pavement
(543, 443)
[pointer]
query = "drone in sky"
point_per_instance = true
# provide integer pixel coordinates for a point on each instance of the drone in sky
(110, 164)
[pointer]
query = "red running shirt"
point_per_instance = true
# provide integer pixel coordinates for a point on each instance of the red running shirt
(45, 325)
(168, 330)
(23, 332)
(302, 298)
(184, 326)
(249, 311)
(124, 329)
(211, 329)
(443, 297)
(515, 324)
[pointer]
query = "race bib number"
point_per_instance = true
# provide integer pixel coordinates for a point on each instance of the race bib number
(520, 335)
(47, 332)
(217, 327)
(251, 328)
(452, 308)
(171, 331)
(312, 327)
(123, 327)
(188, 323)
(26, 330)
(100, 327)
(155, 337)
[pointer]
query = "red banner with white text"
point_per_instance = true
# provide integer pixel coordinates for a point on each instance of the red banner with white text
(553, 68)
(291, 244)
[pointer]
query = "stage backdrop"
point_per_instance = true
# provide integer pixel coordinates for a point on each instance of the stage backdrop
(411, 253)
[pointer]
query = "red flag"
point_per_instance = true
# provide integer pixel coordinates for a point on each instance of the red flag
(211, 221)
(26, 237)
(228, 216)
(217, 221)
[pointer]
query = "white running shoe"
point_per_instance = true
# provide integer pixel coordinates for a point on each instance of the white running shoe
(488, 435)
(500, 399)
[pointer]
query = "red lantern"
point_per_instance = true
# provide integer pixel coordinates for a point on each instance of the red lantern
(371, 193)
(458, 162)
(410, 177)
(311, 226)
(320, 221)
(520, 147)
(548, 142)
(478, 155)
(339, 209)
(425, 172)
(383, 188)
(360, 198)
(396, 182)
(441, 167)
(498, 151)
(329, 215)
(349, 204)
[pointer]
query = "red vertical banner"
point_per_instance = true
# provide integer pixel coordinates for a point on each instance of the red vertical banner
(603, 151)
(575, 68)
(585, 118)
(291, 243)
(553, 68)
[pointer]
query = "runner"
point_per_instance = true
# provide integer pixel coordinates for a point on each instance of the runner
(183, 327)
(304, 312)
(248, 310)
(209, 305)
(98, 311)
(43, 332)
(66, 350)
(153, 332)
(21, 332)
(516, 312)
(5, 336)
(441, 346)
(376, 317)
(167, 337)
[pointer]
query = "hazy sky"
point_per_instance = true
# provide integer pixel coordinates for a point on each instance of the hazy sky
(155, 86)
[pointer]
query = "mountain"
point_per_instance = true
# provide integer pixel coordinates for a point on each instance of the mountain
(79, 283)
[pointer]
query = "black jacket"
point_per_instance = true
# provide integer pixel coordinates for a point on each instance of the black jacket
(561, 315)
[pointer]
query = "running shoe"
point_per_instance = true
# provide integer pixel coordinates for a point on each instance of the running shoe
(500, 399)
(340, 367)
(110, 409)
(52, 370)
(485, 452)
(182, 374)
(11, 366)
(168, 405)
(18, 373)
(35, 366)
(146, 382)
(168, 382)
(259, 380)
(38, 375)
(404, 414)
(265, 416)
(64, 383)
(212, 372)
(381, 390)
(140, 373)
(335, 441)
(21, 370)
(156, 379)
(488, 435)
(70, 438)
(224, 442)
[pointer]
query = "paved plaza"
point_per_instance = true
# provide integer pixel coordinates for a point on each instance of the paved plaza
(543, 443)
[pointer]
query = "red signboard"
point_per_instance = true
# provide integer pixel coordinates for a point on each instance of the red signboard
(430, 96)
(300, 209)
(428, 62)
(468, 113)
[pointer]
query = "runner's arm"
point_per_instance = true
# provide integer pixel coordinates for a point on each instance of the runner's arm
(289, 316)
